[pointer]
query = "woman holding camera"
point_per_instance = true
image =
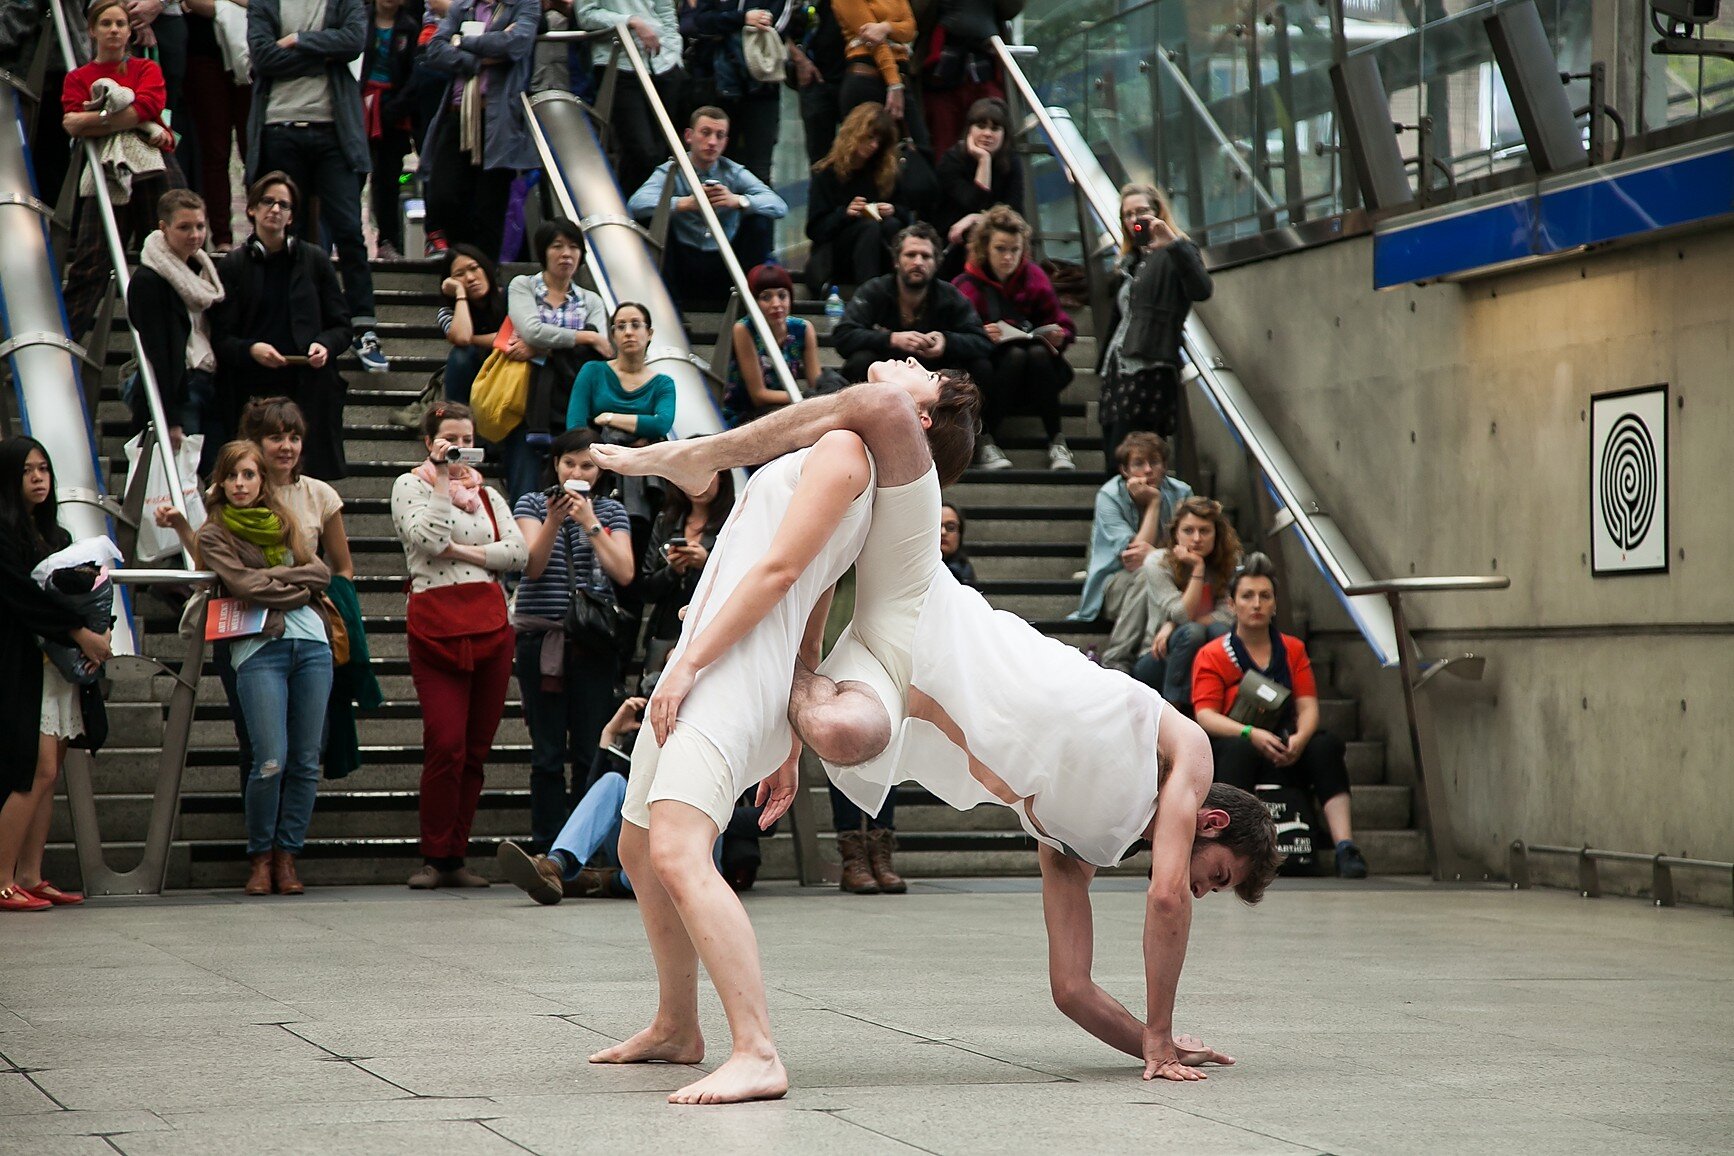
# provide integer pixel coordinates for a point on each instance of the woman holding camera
(1161, 277)
(1290, 750)
(576, 542)
(459, 539)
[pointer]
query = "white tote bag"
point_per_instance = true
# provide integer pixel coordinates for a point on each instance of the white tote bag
(156, 542)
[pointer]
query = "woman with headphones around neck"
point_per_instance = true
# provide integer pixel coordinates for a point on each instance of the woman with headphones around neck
(281, 326)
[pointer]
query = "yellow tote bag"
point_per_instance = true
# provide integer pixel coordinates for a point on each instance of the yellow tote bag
(499, 395)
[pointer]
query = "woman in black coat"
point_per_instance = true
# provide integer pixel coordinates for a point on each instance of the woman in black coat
(975, 174)
(282, 325)
(29, 759)
(853, 206)
(680, 544)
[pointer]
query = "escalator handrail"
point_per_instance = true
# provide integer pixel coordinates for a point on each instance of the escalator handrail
(628, 47)
(147, 379)
(1325, 542)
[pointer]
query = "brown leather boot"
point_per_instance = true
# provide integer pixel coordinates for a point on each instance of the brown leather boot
(879, 843)
(857, 877)
(259, 882)
(283, 874)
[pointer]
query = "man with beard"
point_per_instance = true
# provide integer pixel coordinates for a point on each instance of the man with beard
(908, 313)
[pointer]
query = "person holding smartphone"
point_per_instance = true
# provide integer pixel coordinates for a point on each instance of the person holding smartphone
(681, 542)
(1162, 276)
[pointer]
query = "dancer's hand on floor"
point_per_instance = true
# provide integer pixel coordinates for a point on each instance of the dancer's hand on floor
(1195, 1053)
(1162, 1060)
(777, 792)
(671, 690)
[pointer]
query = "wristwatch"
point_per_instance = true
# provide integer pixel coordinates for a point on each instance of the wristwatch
(593, 529)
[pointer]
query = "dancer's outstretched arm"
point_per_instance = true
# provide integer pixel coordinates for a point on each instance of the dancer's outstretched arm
(833, 476)
(882, 414)
(1168, 904)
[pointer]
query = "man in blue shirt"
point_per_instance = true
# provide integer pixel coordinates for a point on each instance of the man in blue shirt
(692, 265)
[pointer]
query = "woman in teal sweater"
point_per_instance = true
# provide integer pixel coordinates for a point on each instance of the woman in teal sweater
(621, 399)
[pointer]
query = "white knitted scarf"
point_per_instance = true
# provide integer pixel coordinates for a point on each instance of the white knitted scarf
(199, 289)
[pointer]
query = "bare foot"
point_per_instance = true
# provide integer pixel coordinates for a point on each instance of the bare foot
(655, 1045)
(671, 460)
(742, 1078)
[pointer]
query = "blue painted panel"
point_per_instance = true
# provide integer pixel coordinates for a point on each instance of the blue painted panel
(1471, 240)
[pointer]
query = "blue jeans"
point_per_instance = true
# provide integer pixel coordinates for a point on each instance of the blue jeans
(522, 462)
(284, 691)
(595, 827)
(1173, 675)
(463, 362)
(846, 816)
(314, 158)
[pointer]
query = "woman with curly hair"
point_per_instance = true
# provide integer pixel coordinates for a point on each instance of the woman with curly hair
(852, 209)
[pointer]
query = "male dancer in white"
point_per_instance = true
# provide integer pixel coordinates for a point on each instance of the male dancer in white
(719, 724)
(1074, 749)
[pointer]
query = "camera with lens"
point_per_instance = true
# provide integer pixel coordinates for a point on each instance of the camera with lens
(456, 454)
(574, 486)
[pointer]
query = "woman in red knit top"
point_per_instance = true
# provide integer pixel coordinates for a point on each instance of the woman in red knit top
(1295, 753)
(87, 114)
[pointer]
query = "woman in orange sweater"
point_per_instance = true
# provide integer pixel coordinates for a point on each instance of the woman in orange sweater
(877, 35)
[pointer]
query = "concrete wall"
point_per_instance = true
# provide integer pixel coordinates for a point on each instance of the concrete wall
(1446, 427)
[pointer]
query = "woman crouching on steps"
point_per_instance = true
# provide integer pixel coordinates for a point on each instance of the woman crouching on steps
(459, 539)
(282, 673)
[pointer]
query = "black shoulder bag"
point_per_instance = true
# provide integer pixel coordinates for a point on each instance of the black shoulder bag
(593, 619)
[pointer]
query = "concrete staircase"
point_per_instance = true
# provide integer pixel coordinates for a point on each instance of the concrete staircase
(1028, 530)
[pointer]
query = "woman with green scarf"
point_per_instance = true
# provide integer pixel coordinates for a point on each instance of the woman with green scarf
(283, 672)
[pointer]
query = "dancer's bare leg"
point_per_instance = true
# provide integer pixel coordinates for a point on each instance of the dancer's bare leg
(673, 1036)
(680, 853)
(884, 415)
(843, 723)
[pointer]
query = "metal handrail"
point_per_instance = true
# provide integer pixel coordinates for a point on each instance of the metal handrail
(147, 379)
(628, 47)
(1430, 585)
(1589, 880)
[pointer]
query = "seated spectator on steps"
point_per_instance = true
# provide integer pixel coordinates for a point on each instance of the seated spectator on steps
(1133, 508)
(1293, 751)
(168, 305)
(752, 390)
(853, 213)
(908, 313)
(473, 309)
(117, 100)
(951, 527)
(680, 544)
(975, 174)
(745, 206)
(1178, 602)
(478, 140)
(1031, 333)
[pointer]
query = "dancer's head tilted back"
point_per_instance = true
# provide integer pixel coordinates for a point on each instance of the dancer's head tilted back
(1235, 845)
(948, 404)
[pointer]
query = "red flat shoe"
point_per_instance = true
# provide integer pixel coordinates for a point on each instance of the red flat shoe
(54, 895)
(18, 899)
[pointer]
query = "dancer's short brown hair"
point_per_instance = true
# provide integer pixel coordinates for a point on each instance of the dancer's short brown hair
(955, 418)
(1250, 834)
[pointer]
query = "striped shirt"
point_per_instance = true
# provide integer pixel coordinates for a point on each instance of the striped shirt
(546, 597)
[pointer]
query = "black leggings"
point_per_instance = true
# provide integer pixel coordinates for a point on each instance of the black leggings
(1321, 768)
(1026, 378)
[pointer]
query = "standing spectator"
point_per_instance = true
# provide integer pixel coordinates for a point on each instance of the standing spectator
(459, 540)
(680, 544)
(975, 174)
(1178, 601)
(283, 674)
(1293, 751)
(909, 314)
(219, 95)
(817, 62)
(877, 35)
(168, 305)
(745, 206)
(117, 101)
(474, 309)
(1011, 293)
(40, 712)
(559, 323)
(161, 25)
(638, 140)
(1161, 276)
(752, 390)
(478, 139)
(958, 69)
(281, 324)
(1133, 508)
(574, 542)
(951, 527)
(386, 66)
(854, 210)
(712, 31)
(306, 121)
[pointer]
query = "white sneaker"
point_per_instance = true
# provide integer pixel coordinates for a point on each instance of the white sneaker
(989, 456)
(1060, 455)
